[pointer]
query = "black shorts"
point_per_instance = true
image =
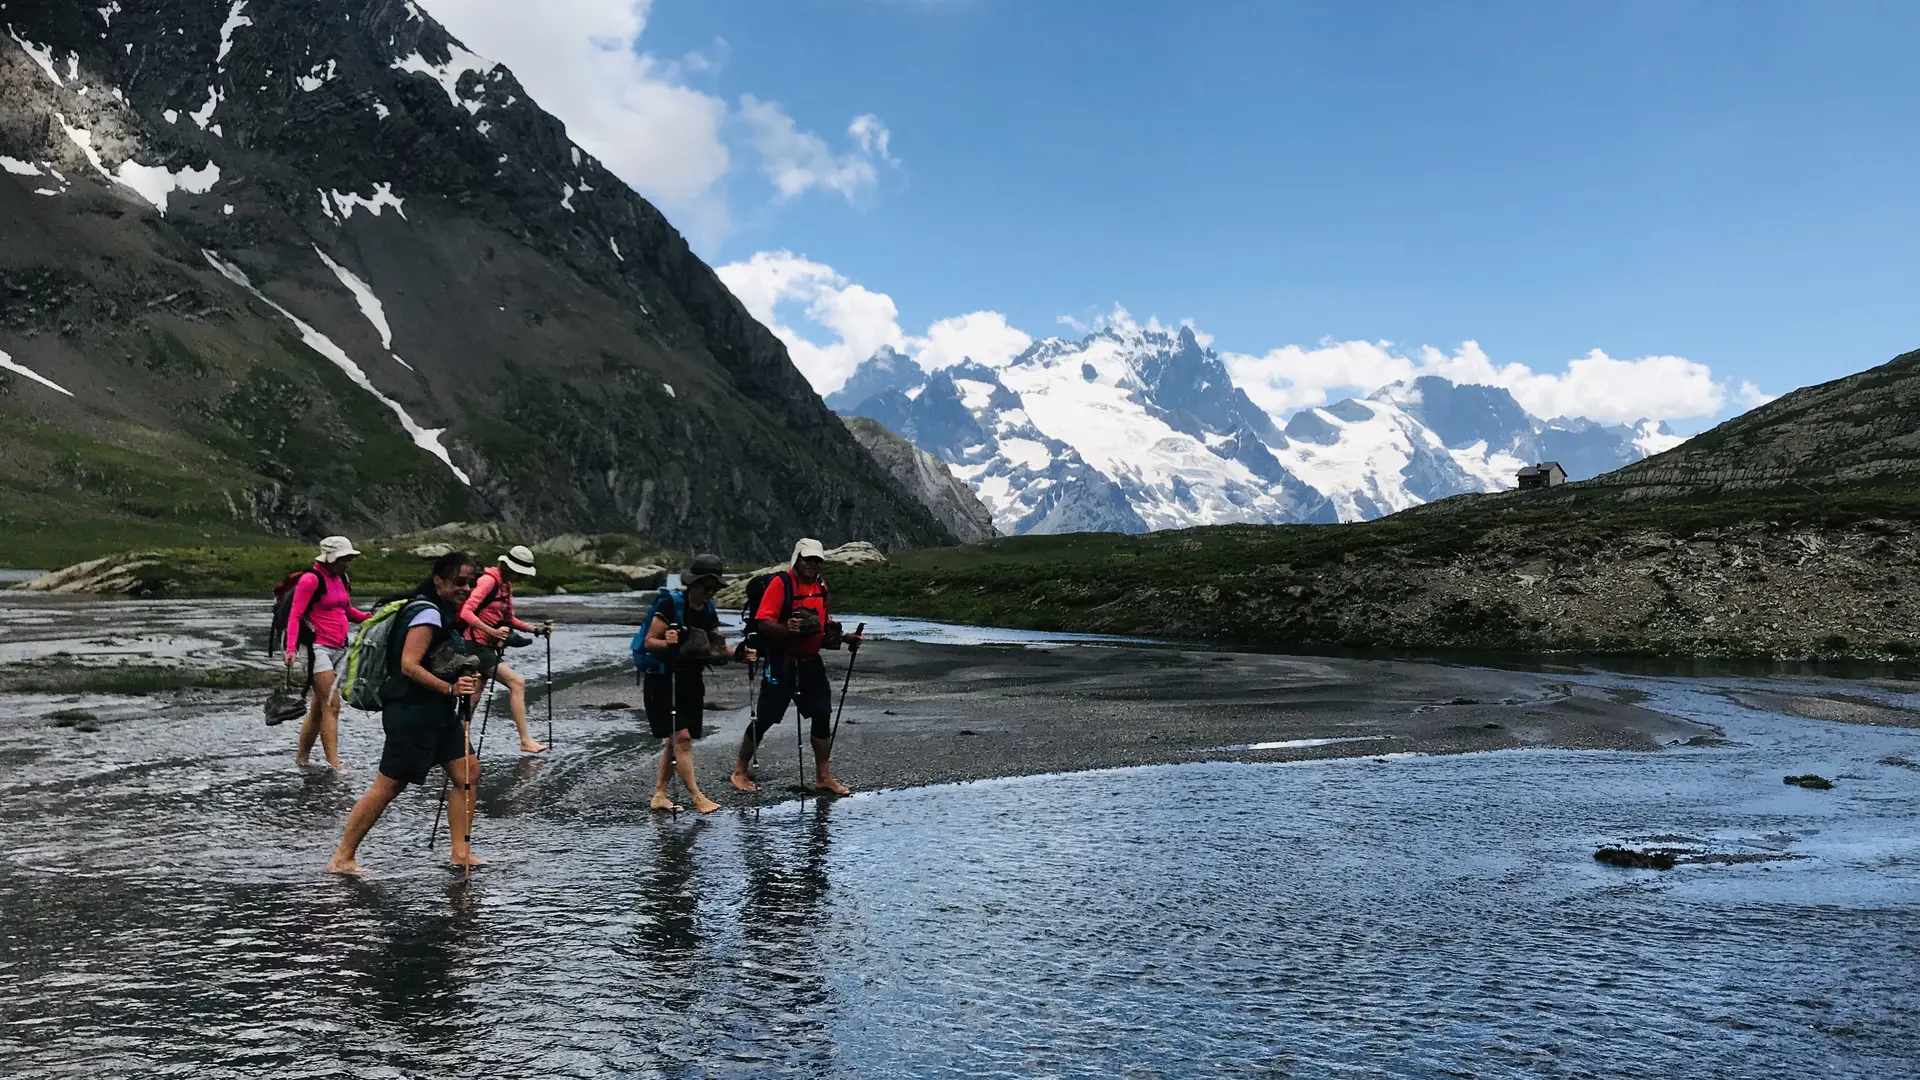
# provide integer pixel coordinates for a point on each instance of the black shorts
(418, 738)
(801, 682)
(674, 707)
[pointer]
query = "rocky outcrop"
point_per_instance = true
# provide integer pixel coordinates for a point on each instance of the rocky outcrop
(112, 575)
(926, 478)
(857, 553)
(311, 266)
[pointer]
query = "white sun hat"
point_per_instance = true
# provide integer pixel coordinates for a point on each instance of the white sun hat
(807, 548)
(519, 560)
(335, 548)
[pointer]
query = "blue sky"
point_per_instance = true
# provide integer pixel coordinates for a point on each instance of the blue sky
(1733, 184)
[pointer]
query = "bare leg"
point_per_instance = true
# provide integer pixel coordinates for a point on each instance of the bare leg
(662, 780)
(742, 776)
(365, 812)
(683, 762)
(462, 794)
(822, 775)
(309, 726)
(329, 705)
(517, 702)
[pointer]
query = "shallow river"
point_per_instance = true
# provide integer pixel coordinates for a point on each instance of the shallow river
(162, 913)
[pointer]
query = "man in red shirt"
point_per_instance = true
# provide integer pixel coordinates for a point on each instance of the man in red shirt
(791, 625)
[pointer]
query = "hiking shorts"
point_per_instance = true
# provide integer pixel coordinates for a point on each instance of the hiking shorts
(416, 743)
(670, 707)
(800, 682)
(319, 658)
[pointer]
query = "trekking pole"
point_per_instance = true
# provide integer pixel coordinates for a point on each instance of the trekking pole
(486, 691)
(438, 806)
(673, 726)
(471, 784)
(799, 737)
(753, 711)
(549, 688)
(848, 681)
(446, 779)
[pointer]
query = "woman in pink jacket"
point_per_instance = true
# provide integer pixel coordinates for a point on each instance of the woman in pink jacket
(488, 618)
(322, 606)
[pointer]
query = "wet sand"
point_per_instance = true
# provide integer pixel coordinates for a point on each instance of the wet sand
(922, 714)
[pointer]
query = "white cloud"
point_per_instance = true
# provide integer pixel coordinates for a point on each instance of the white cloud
(1596, 386)
(830, 324)
(857, 320)
(1750, 396)
(673, 142)
(796, 161)
(983, 336)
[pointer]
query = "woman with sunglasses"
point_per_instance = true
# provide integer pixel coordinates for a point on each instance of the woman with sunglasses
(422, 725)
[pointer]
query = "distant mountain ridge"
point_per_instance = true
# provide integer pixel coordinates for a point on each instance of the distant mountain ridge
(1133, 430)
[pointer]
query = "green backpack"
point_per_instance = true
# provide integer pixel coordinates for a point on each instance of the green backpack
(373, 655)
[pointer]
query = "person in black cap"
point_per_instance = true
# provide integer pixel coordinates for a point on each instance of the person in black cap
(683, 637)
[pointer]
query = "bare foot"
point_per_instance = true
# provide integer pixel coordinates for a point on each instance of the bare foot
(705, 805)
(299, 761)
(741, 781)
(336, 766)
(663, 802)
(832, 787)
(469, 859)
(349, 867)
(533, 748)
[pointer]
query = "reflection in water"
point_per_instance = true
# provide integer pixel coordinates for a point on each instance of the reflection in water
(164, 914)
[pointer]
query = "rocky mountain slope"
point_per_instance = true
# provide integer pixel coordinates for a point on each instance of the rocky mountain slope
(1131, 429)
(1792, 532)
(927, 479)
(311, 265)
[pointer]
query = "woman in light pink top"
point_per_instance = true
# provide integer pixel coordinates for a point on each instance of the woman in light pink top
(323, 610)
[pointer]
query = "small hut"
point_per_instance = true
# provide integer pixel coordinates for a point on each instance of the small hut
(1544, 475)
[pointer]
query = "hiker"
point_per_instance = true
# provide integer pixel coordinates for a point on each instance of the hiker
(422, 717)
(682, 638)
(488, 619)
(316, 634)
(791, 626)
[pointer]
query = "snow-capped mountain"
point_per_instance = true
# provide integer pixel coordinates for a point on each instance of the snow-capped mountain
(1132, 429)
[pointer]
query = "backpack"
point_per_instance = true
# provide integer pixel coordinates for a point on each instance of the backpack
(644, 659)
(372, 654)
(283, 611)
(757, 590)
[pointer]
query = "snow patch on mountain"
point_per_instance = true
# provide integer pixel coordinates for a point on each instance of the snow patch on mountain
(155, 183)
(8, 363)
(370, 305)
(459, 62)
(425, 438)
(235, 20)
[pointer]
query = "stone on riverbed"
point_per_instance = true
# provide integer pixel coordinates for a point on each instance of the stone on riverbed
(1654, 859)
(1817, 783)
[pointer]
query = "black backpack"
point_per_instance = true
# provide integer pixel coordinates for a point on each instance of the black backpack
(283, 610)
(757, 590)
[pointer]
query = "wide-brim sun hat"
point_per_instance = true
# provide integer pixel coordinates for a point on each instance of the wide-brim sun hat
(519, 560)
(807, 548)
(335, 548)
(704, 568)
